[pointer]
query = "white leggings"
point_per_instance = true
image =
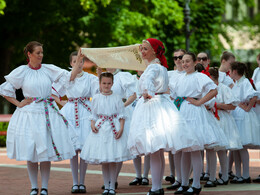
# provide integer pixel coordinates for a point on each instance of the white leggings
(45, 168)
(157, 169)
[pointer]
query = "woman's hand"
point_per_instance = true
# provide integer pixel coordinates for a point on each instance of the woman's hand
(193, 101)
(24, 103)
(147, 96)
(93, 127)
(119, 133)
(63, 102)
(244, 106)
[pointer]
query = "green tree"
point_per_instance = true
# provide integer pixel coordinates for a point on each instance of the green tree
(2, 6)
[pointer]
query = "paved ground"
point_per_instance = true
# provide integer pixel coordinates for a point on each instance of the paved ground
(14, 179)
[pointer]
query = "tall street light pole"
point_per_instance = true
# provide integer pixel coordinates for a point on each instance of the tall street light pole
(187, 23)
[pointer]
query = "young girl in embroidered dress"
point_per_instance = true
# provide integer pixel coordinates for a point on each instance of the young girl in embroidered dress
(246, 120)
(77, 111)
(225, 102)
(37, 132)
(105, 145)
(192, 91)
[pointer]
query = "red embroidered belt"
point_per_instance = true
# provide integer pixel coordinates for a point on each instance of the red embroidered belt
(107, 118)
(76, 102)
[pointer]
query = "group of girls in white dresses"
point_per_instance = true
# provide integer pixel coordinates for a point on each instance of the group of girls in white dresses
(181, 112)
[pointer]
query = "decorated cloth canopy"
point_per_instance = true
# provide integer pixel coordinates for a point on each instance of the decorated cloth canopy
(124, 57)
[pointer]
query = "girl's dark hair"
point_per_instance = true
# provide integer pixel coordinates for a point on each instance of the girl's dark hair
(74, 53)
(30, 47)
(199, 67)
(192, 55)
(240, 67)
(226, 55)
(106, 74)
(177, 50)
(213, 71)
(204, 53)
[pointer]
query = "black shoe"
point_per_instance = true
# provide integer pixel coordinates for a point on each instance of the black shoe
(157, 192)
(219, 175)
(248, 180)
(103, 187)
(174, 186)
(192, 191)
(136, 181)
(210, 184)
(257, 180)
(82, 189)
(231, 175)
(75, 190)
(34, 191)
(105, 192)
(202, 175)
(234, 180)
(206, 177)
(222, 182)
(170, 178)
(44, 191)
(116, 185)
(111, 192)
(161, 191)
(145, 181)
(181, 190)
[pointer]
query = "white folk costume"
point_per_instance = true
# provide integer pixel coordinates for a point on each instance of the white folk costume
(37, 132)
(256, 75)
(247, 122)
(78, 108)
(124, 86)
(257, 106)
(225, 79)
(226, 120)
(195, 85)
(102, 147)
(156, 123)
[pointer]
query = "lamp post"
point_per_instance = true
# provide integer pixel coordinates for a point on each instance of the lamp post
(187, 23)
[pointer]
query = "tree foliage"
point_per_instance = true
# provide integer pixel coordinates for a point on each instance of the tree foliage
(2, 6)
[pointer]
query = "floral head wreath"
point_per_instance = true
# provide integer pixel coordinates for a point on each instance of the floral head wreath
(159, 50)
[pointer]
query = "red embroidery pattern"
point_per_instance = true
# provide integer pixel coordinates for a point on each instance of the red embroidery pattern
(76, 106)
(107, 118)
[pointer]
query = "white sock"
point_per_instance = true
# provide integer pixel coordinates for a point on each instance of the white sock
(105, 173)
(113, 175)
(245, 160)
(196, 164)
(45, 168)
(171, 163)
(162, 167)
(156, 166)
(237, 159)
(212, 158)
(177, 162)
(223, 161)
(146, 166)
(138, 166)
(74, 168)
(83, 169)
(33, 173)
(207, 161)
(185, 168)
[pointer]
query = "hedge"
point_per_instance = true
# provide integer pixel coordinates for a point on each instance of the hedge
(3, 127)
